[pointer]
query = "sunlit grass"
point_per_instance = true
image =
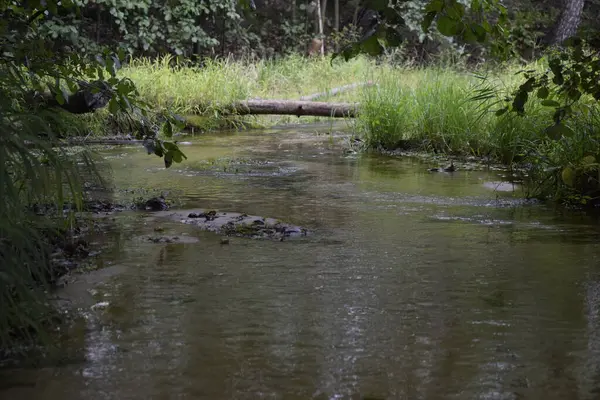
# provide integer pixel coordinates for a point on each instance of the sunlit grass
(435, 109)
(201, 90)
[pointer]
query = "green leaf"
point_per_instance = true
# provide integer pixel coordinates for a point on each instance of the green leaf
(167, 130)
(427, 20)
(158, 148)
(559, 130)
(372, 46)
(543, 93)
(550, 103)
(168, 159)
(588, 160)
(480, 32)
(501, 111)
(110, 66)
(568, 176)
(469, 36)
(178, 156)
(447, 26)
(558, 79)
(170, 146)
(73, 87)
(434, 6)
(519, 101)
(456, 11)
(60, 97)
(113, 106)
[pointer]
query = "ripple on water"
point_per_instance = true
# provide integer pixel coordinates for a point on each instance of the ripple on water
(407, 289)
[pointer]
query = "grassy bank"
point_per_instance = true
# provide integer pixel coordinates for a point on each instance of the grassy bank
(198, 93)
(436, 110)
(424, 109)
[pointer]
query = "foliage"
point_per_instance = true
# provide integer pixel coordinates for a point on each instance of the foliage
(39, 64)
(31, 172)
(452, 18)
(431, 109)
(149, 27)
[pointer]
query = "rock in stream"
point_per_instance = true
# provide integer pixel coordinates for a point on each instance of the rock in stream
(235, 224)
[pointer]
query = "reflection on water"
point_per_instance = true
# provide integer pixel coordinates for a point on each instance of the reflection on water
(413, 286)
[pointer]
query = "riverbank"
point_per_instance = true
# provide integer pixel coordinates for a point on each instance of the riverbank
(422, 109)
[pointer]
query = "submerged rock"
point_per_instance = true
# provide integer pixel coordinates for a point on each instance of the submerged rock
(448, 168)
(169, 239)
(156, 204)
(236, 224)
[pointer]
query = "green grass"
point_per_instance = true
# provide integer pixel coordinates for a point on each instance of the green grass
(200, 91)
(432, 109)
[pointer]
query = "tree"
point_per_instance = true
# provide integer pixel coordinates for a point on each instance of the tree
(569, 20)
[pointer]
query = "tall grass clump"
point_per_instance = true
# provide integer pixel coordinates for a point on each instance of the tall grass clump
(442, 110)
(421, 108)
(32, 172)
(188, 89)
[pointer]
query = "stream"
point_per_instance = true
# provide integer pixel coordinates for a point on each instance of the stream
(410, 285)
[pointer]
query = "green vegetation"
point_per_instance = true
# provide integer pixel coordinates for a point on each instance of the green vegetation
(38, 178)
(199, 93)
(31, 173)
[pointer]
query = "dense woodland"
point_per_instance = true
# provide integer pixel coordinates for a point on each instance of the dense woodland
(195, 29)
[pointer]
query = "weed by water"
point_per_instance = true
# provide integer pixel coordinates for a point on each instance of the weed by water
(432, 109)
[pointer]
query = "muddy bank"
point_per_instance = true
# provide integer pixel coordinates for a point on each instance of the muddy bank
(235, 224)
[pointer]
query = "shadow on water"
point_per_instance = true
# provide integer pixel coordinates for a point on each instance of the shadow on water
(413, 286)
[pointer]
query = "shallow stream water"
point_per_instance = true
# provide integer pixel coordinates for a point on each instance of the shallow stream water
(412, 285)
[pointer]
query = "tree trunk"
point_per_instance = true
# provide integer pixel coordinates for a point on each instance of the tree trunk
(320, 24)
(569, 20)
(356, 10)
(293, 107)
(336, 22)
(336, 17)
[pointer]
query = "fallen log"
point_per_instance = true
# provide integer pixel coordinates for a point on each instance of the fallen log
(105, 142)
(111, 142)
(294, 107)
(335, 91)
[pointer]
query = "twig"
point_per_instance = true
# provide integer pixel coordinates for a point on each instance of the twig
(336, 91)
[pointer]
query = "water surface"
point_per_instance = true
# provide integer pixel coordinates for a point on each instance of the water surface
(413, 285)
